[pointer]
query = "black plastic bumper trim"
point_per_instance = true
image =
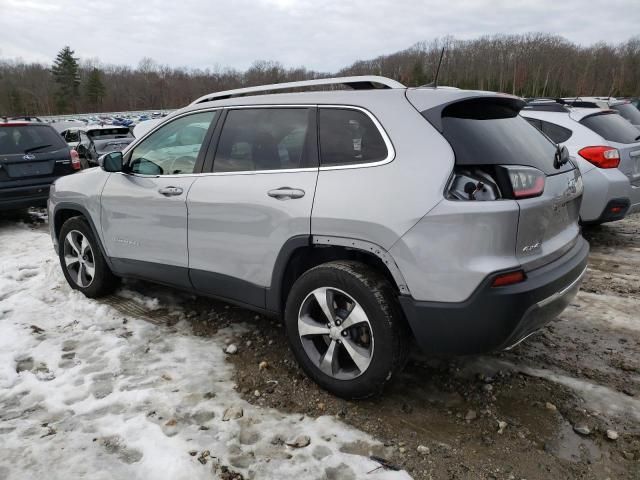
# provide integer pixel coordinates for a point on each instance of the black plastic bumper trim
(495, 318)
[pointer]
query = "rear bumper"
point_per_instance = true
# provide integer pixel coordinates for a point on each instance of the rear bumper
(616, 209)
(601, 187)
(23, 197)
(498, 318)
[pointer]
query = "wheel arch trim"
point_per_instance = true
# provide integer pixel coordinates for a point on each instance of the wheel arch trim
(84, 213)
(368, 247)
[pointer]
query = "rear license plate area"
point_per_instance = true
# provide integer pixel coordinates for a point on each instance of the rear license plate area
(28, 169)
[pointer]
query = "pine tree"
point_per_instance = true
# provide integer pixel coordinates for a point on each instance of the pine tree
(418, 77)
(95, 89)
(65, 71)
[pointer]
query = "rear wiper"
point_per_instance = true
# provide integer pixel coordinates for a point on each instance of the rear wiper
(558, 159)
(33, 149)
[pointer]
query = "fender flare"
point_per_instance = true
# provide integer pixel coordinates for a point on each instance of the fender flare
(368, 247)
(273, 293)
(85, 213)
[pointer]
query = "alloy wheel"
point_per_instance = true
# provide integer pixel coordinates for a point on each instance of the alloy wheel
(335, 333)
(78, 258)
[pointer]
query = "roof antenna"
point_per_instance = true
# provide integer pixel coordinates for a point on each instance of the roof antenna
(434, 84)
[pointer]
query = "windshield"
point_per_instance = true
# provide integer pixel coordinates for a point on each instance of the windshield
(612, 127)
(29, 139)
(628, 111)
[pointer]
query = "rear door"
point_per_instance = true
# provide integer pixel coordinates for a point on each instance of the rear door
(144, 211)
(31, 154)
(258, 196)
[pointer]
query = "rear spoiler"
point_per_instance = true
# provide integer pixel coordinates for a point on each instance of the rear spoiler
(434, 115)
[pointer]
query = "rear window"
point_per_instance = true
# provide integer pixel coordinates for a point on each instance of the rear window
(29, 138)
(490, 132)
(109, 132)
(629, 112)
(612, 127)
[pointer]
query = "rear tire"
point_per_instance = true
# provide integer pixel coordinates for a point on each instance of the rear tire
(356, 361)
(82, 261)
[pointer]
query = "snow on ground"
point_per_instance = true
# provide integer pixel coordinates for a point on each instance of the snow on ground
(86, 392)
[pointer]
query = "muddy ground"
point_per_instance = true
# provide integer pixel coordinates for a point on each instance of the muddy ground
(454, 406)
(544, 410)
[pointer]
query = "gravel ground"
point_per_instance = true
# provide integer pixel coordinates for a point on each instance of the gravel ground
(564, 404)
(511, 415)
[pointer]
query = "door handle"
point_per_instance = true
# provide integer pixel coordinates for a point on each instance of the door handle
(170, 191)
(284, 193)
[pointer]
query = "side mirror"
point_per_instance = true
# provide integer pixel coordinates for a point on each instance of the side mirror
(111, 162)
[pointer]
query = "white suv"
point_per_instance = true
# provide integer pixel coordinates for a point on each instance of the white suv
(605, 147)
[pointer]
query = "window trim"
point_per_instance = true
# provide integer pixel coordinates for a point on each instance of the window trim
(391, 152)
(209, 162)
(204, 149)
(214, 136)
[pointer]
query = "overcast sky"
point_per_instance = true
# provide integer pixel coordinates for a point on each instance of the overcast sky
(323, 35)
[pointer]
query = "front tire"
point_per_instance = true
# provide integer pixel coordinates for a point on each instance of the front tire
(346, 329)
(81, 260)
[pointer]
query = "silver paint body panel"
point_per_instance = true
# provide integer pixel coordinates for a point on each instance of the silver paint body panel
(236, 229)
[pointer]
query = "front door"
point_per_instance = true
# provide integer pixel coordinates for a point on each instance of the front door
(259, 196)
(144, 210)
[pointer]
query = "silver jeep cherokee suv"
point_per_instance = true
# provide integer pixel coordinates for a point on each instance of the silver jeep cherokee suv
(364, 217)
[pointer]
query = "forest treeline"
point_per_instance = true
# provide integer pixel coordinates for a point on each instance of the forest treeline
(525, 65)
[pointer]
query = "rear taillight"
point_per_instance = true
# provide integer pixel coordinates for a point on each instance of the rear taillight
(473, 184)
(75, 160)
(526, 182)
(601, 157)
(508, 278)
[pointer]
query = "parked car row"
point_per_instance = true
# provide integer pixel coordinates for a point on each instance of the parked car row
(604, 145)
(93, 141)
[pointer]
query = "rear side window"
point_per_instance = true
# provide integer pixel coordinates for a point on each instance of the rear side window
(257, 139)
(555, 132)
(29, 138)
(535, 122)
(490, 132)
(349, 137)
(612, 127)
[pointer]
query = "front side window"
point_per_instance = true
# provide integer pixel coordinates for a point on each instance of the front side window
(172, 149)
(349, 137)
(255, 139)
